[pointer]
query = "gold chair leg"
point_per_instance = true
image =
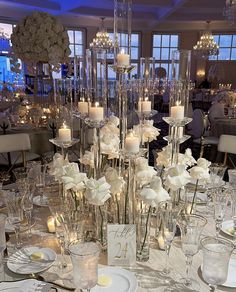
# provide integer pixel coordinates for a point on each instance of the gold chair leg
(24, 158)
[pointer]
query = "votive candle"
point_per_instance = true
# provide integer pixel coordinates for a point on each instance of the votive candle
(132, 143)
(96, 113)
(64, 133)
(177, 111)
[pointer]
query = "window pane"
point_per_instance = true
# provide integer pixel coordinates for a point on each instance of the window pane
(111, 74)
(216, 38)
(72, 54)
(213, 58)
(135, 40)
(165, 54)
(71, 36)
(6, 29)
(134, 53)
(156, 53)
(174, 41)
(224, 54)
(233, 54)
(165, 41)
(78, 37)
(156, 40)
(234, 41)
(78, 50)
(225, 40)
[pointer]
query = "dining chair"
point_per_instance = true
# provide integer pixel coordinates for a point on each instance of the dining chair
(18, 145)
(227, 144)
(199, 133)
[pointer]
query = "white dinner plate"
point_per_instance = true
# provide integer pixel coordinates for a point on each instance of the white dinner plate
(231, 279)
(122, 280)
(21, 263)
(227, 227)
(28, 285)
(40, 202)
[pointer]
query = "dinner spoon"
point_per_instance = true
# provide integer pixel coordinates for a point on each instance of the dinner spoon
(41, 278)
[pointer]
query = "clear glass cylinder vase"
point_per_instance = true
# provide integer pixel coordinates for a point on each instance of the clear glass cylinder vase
(143, 220)
(122, 32)
(101, 224)
(180, 84)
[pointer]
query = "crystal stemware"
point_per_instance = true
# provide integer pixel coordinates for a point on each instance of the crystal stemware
(40, 171)
(15, 213)
(216, 256)
(27, 205)
(191, 227)
(220, 200)
(84, 257)
(169, 213)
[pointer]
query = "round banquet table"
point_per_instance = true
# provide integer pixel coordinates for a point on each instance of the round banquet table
(223, 126)
(148, 273)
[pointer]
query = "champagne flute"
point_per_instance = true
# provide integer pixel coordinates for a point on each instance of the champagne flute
(27, 205)
(191, 227)
(216, 256)
(220, 200)
(15, 214)
(169, 213)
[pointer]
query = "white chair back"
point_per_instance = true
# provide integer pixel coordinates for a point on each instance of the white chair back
(197, 124)
(14, 142)
(227, 144)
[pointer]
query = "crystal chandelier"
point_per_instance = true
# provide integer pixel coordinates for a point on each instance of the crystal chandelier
(206, 46)
(230, 11)
(102, 39)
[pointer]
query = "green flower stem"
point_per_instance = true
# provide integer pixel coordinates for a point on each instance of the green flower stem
(194, 196)
(118, 208)
(146, 231)
(101, 227)
(74, 198)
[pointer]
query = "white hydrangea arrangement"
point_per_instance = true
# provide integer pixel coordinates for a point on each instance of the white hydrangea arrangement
(41, 37)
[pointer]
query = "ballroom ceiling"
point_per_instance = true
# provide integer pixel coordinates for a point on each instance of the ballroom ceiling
(149, 14)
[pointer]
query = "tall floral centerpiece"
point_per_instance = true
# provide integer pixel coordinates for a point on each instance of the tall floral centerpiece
(40, 39)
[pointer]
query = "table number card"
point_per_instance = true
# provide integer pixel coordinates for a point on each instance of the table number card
(121, 240)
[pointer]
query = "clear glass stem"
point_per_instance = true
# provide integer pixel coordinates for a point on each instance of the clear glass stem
(167, 250)
(63, 263)
(17, 233)
(213, 288)
(189, 260)
(28, 215)
(218, 227)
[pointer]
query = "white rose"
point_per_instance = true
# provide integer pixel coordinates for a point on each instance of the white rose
(117, 183)
(202, 162)
(88, 158)
(176, 177)
(199, 173)
(97, 191)
(73, 178)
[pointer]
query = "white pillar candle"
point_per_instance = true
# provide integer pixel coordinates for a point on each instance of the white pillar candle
(123, 59)
(146, 105)
(177, 112)
(96, 113)
(64, 133)
(132, 143)
(51, 224)
(83, 107)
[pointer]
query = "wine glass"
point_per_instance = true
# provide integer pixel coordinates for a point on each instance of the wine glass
(84, 257)
(216, 256)
(15, 213)
(220, 200)
(169, 213)
(191, 227)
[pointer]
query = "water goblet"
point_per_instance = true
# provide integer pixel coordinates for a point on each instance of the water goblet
(216, 256)
(84, 257)
(169, 213)
(220, 200)
(40, 172)
(191, 227)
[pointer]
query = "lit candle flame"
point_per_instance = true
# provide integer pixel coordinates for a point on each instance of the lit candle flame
(146, 99)
(96, 104)
(64, 126)
(178, 103)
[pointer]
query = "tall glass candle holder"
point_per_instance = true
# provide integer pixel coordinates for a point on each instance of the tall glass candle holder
(122, 32)
(97, 77)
